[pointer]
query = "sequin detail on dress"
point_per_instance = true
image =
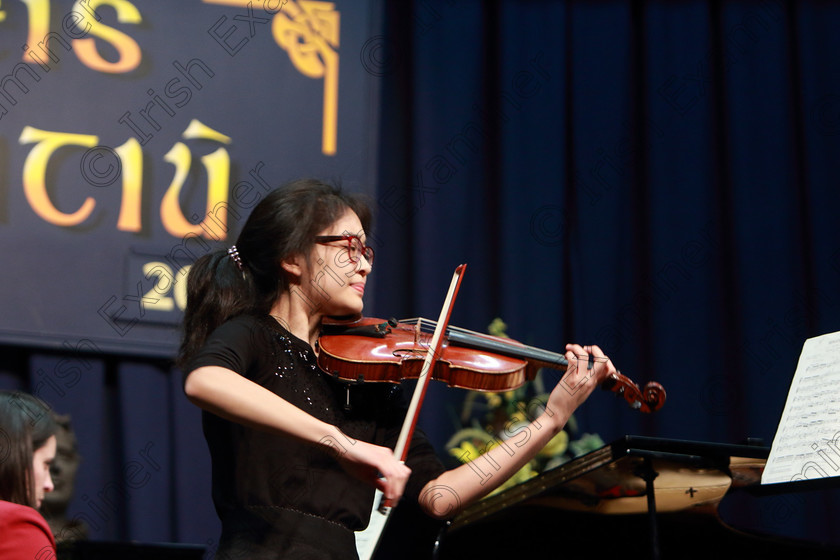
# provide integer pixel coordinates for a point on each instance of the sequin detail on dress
(291, 358)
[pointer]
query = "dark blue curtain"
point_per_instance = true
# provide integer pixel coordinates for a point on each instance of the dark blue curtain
(658, 178)
(653, 177)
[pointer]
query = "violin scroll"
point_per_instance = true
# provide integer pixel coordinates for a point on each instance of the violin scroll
(650, 399)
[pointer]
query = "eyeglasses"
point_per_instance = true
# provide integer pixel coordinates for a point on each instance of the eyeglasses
(355, 248)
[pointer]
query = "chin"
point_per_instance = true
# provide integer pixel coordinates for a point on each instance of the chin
(351, 308)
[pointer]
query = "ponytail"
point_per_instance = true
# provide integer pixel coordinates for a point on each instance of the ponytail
(283, 224)
(216, 291)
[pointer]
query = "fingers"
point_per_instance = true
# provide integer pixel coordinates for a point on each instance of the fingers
(591, 359)
(392, 484)
(586, 350)
(582, 357)
(378, 467)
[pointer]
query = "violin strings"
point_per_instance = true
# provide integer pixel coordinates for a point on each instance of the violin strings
(489, 342)
(432, 324)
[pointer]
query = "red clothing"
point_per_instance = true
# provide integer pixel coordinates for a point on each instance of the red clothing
(24, 534)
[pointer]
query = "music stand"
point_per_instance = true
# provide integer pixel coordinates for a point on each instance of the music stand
(634, 476)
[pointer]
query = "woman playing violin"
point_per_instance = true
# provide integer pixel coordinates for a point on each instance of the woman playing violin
(293, 468)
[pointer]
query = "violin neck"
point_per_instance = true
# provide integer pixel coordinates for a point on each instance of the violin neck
(545, 358)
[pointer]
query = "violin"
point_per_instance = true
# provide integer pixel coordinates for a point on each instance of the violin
(376, 350)
(366, 349)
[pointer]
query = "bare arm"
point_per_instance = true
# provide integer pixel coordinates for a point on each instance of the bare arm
(233, 397)
(456, 489)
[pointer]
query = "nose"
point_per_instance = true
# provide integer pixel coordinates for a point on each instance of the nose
(364, 266)
(48, 483)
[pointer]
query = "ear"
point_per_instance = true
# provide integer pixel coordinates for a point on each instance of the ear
(293, 266)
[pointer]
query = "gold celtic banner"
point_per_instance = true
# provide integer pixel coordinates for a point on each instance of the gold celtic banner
(309, 32)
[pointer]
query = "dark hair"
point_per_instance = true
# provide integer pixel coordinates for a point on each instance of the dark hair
(26, 424)
(282, 225)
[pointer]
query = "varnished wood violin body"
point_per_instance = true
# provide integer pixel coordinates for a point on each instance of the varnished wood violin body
(376, 350)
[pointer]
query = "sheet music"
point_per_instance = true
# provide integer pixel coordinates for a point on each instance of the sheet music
(807, 442)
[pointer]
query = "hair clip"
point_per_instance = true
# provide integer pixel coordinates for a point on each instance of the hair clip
(233, 253)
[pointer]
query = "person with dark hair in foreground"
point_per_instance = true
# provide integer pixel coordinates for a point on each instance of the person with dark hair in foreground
(272, 418)
(27, 448)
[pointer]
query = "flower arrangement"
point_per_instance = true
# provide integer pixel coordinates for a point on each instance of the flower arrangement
(488, 419)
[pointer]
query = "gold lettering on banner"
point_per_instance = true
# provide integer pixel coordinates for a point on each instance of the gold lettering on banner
(35, 172)
(309, 32)
(131, 157)
(310, 37)
(75, 25)
(39, 27)
(130, 166)
(217, 165)
(129, 53)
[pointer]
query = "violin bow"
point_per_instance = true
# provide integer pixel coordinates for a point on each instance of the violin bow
(368, 540)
